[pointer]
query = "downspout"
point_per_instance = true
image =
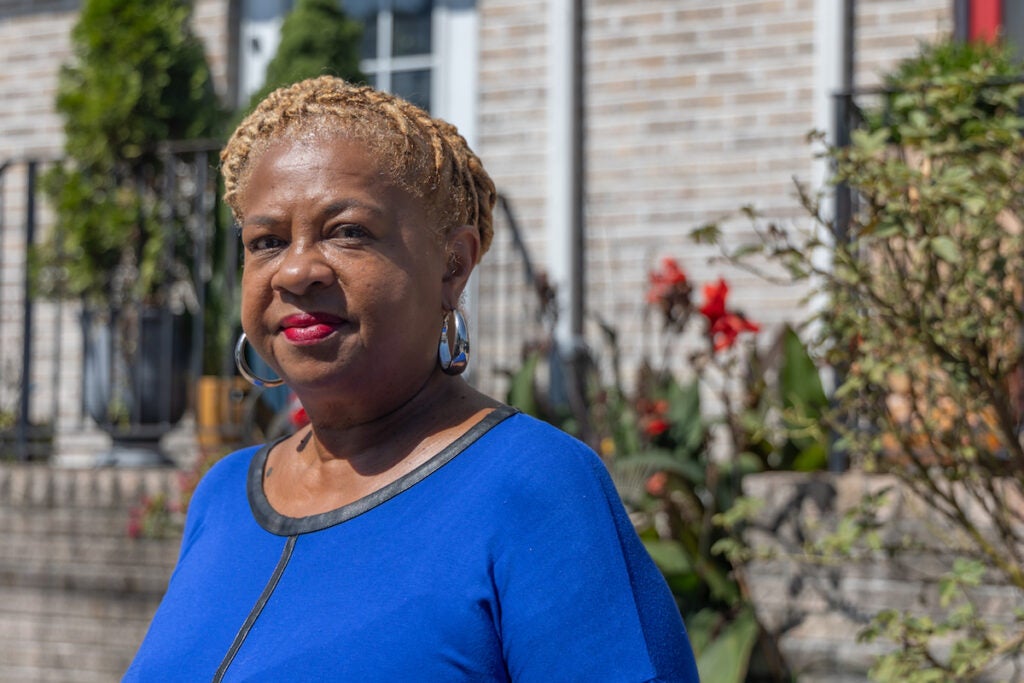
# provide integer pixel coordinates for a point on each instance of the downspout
(565, 222)
(843, 110)
(843, 107)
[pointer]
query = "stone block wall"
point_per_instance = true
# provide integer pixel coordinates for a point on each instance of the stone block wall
(815, 610)
(76, 591)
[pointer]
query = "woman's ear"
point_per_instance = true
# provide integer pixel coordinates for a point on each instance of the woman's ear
(462, 249)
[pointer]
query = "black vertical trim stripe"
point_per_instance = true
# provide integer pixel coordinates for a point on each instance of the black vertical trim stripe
(254, 613)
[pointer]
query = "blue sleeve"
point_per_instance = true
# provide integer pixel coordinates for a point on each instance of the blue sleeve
(580, 599)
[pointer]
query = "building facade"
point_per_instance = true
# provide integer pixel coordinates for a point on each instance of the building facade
(611, 128)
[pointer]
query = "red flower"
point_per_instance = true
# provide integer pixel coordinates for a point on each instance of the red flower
(297, 413)
(652, 416)
(726, 328)
(299, 418)
(656, 426)
(715, 294)
(134, 525)
(723, 325)
(665, 281)
(656, 484)
(670, 292)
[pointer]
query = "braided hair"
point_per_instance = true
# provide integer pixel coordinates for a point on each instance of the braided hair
(426, 156)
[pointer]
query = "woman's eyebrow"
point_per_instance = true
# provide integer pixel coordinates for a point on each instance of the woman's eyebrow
(329, 210)
(344, 204)
(259, 220)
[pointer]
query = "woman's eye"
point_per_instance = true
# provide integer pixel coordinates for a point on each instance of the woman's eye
(350, 231)
(265, 242)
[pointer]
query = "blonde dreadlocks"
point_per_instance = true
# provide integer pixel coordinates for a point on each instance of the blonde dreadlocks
(427, 156)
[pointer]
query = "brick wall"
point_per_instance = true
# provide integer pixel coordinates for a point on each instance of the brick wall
(692, 110)
(815, 609)
(35, 41)
(76, 592)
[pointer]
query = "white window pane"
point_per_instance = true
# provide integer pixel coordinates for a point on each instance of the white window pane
(413, 86)
(411, 30)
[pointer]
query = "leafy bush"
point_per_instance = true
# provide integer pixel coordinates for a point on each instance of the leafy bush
(924, 324)
(317, 38)
(138, 78)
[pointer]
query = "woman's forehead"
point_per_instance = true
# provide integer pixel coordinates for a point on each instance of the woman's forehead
(304, 142)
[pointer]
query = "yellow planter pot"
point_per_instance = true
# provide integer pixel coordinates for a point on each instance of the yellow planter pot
(220, 412)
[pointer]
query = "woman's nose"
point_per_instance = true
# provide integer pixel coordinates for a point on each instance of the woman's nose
(302, 268)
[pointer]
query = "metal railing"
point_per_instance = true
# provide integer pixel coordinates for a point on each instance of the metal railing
(49, 376)
(50, 367)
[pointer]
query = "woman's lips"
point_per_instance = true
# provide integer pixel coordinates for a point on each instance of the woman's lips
(307, 328)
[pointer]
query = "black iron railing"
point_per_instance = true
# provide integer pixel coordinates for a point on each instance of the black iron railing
(41, 358)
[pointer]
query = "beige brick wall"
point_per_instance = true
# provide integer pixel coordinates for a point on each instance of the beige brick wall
(512, 140)
(76, 592)
(815, 609)
(889, 30)
(692, 110)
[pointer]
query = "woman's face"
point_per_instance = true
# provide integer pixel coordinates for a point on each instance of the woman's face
(344, 284)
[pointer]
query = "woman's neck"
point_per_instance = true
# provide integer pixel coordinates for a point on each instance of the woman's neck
(337, 461)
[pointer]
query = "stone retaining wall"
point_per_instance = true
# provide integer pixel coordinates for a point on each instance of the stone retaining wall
(76, 591)
(816, 610)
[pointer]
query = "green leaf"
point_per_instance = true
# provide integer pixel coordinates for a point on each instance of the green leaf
(685, 416)
(702, 628)
(690, 470)
(522, 391)
(814, 458)
(799, 380)
(870, 142)
(726, 658)
(709, 233)
(945, 248)
(669, 555)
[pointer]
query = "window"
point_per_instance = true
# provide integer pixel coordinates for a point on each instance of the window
(259, 32)
(397, 53)
(423, 50)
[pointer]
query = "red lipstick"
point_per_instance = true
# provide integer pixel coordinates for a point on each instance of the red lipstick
(309, 328)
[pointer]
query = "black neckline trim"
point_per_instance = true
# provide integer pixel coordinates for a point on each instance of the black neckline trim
(282, 525)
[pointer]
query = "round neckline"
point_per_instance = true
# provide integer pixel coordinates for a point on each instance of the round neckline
(282, 525)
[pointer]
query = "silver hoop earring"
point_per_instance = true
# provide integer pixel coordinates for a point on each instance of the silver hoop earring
(455, 358)
(246, 371)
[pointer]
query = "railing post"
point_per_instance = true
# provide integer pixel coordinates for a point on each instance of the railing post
(31, 171)
(837, 457)
(844, 199)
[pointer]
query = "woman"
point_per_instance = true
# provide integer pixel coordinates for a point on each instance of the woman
(417, 530)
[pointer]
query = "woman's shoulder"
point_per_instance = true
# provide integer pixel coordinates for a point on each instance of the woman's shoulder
(529, 450)
(227, 472)
(232, 464)
(531, 436)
